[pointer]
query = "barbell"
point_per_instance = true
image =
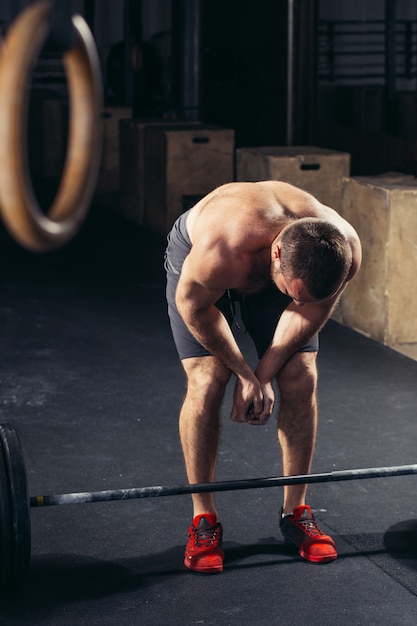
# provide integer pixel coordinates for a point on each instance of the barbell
(15, 502)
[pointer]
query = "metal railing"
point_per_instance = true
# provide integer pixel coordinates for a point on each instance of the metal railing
(355, 50)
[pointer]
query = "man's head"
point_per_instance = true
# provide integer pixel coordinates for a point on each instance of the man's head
(315, 252)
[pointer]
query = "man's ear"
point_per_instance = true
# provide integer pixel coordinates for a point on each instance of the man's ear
(276, 252)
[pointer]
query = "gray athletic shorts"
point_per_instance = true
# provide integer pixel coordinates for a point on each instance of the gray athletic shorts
(260, 312)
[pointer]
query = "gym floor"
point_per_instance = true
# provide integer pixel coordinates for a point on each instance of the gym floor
(91, 381)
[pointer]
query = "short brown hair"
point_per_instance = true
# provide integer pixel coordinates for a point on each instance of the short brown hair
(315, 251)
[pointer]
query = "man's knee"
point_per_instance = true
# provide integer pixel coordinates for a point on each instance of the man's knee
(207, 378)
(299, 376)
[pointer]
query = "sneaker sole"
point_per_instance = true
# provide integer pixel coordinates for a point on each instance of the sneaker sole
(317, 559)
(209, 569)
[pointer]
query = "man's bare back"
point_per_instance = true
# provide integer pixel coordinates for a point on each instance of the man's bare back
(270, 204)
(232, 230)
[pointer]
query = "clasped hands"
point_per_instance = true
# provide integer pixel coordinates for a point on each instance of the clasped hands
(253, 402)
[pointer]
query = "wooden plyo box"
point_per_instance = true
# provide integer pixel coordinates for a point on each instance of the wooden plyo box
(380, 300)
(316, 170)
(48, 134)
(109, 167)
(168, 166)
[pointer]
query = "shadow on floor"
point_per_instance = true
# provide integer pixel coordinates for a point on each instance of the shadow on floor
(401, 542)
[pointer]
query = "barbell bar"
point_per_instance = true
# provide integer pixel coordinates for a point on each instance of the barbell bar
(228, 485)
(15, 503)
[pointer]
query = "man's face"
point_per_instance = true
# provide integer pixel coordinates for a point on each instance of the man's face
(297, 291)
(294, 288)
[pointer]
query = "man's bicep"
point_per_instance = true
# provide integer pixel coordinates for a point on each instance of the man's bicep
(194, 292)
(205, 275)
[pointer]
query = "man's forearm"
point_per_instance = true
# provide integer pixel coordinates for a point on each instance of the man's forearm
(211, 329)
(294, 330)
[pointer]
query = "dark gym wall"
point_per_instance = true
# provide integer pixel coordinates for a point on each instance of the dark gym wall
(244, 68)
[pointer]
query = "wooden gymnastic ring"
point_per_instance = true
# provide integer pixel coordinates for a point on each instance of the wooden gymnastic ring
(23, 217)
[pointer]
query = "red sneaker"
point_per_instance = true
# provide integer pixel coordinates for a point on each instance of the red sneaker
(301, 529)
(203, 551)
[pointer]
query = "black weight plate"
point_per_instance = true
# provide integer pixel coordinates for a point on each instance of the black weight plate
(19, 502)
(6, 522)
